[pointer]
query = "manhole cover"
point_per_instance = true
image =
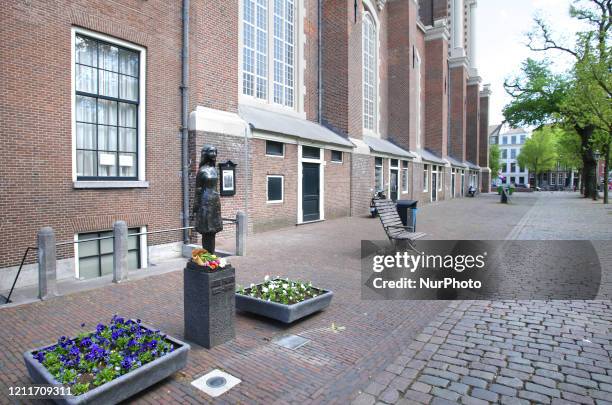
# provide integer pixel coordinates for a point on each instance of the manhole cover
(292, 342)
(216, 382)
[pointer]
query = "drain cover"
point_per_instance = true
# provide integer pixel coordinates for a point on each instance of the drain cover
(291, 342)
(215, 383)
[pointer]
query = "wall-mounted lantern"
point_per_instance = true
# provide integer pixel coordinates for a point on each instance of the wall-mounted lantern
(228, 178)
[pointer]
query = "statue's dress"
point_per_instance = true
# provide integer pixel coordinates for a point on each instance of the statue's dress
(208, 217)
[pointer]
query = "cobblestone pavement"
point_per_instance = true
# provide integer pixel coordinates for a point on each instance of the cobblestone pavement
(515, 352)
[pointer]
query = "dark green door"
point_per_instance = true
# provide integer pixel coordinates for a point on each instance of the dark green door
(310, 191)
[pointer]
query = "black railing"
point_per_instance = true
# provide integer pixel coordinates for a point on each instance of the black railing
(72, 242)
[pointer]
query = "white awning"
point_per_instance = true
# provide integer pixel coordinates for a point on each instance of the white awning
(285, 124)
(384, 146)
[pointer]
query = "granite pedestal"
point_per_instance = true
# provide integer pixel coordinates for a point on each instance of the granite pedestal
(210, 304)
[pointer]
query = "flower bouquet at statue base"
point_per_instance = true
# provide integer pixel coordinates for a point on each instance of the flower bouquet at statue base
(207, 261)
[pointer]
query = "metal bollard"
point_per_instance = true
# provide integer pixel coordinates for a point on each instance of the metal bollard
(241, 233)
(120, 252)
(47, 271)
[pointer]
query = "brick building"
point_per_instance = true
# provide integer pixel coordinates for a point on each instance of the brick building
(315, 102)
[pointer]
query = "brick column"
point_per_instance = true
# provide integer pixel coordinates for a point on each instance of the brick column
(472, 116)
(458, 89)
(483, 146)
(436, 86)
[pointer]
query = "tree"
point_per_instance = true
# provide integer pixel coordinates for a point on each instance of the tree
(569, 151)
(494, 155)
(541, 97)
(539, 153)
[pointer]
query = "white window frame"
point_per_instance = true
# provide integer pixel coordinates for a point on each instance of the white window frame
(426, 176)
(299, 63)
(321, 162)
(274, 156)
(144, 250)
(331, 156)
(370, 11)
(404, 171)
(269, 176)
(382, 173)
(141, 134)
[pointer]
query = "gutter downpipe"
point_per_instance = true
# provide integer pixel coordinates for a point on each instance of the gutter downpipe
(185, 120)
(248, 133)
(319, 64)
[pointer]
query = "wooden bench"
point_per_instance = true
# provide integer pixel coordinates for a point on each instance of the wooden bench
(394, 228)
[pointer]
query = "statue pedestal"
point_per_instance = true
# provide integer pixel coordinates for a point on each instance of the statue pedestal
(210, 304)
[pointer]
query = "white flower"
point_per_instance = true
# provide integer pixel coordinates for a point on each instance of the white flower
(264, 289)
(222, 262)
(267, 278)
(285, 286)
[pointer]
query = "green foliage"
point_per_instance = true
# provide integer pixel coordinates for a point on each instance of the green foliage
(494, 157)
(539, 153)
(537, 95)
(105, 375)
(78, 389)
(569, 148)
(52, 363)
(68, 376)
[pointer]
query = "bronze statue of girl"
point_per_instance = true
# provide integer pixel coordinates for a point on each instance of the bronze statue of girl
(207, 204)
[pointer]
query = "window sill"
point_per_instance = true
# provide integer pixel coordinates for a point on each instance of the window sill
(94, 184)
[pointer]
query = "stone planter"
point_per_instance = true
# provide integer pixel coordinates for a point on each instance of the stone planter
(120, 388)
(281, 312)
(209, 304)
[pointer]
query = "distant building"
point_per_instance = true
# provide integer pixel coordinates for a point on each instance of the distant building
(510, 142)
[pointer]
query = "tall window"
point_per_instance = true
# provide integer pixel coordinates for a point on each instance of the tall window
(107, 102)
(418, 97)
(404, 176)
(425, 177)
(378, 173)
(504, 153)
(504, 140)
(512, 153)
(269, 41)
(370, 73)
(513, 139)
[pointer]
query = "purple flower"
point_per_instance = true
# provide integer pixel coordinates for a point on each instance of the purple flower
(40, 356)
(86, 342)
(126, 363)
(74, 351)
(83, 325)
(100, 328)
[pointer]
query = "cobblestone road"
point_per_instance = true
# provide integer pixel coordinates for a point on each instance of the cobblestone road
(515, 352)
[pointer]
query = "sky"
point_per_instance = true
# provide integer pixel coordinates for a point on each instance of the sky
(501, 41)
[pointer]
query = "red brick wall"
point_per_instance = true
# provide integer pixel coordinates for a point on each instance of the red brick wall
(402, 92)
(336, 18)
(337, 186)
(342, 64)
(35, 121)
(362, 182)
(484, 132)
(458, 78)
(473, 124)
(213, 54)
(436, 97)
(431, 10)
(264, 215)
